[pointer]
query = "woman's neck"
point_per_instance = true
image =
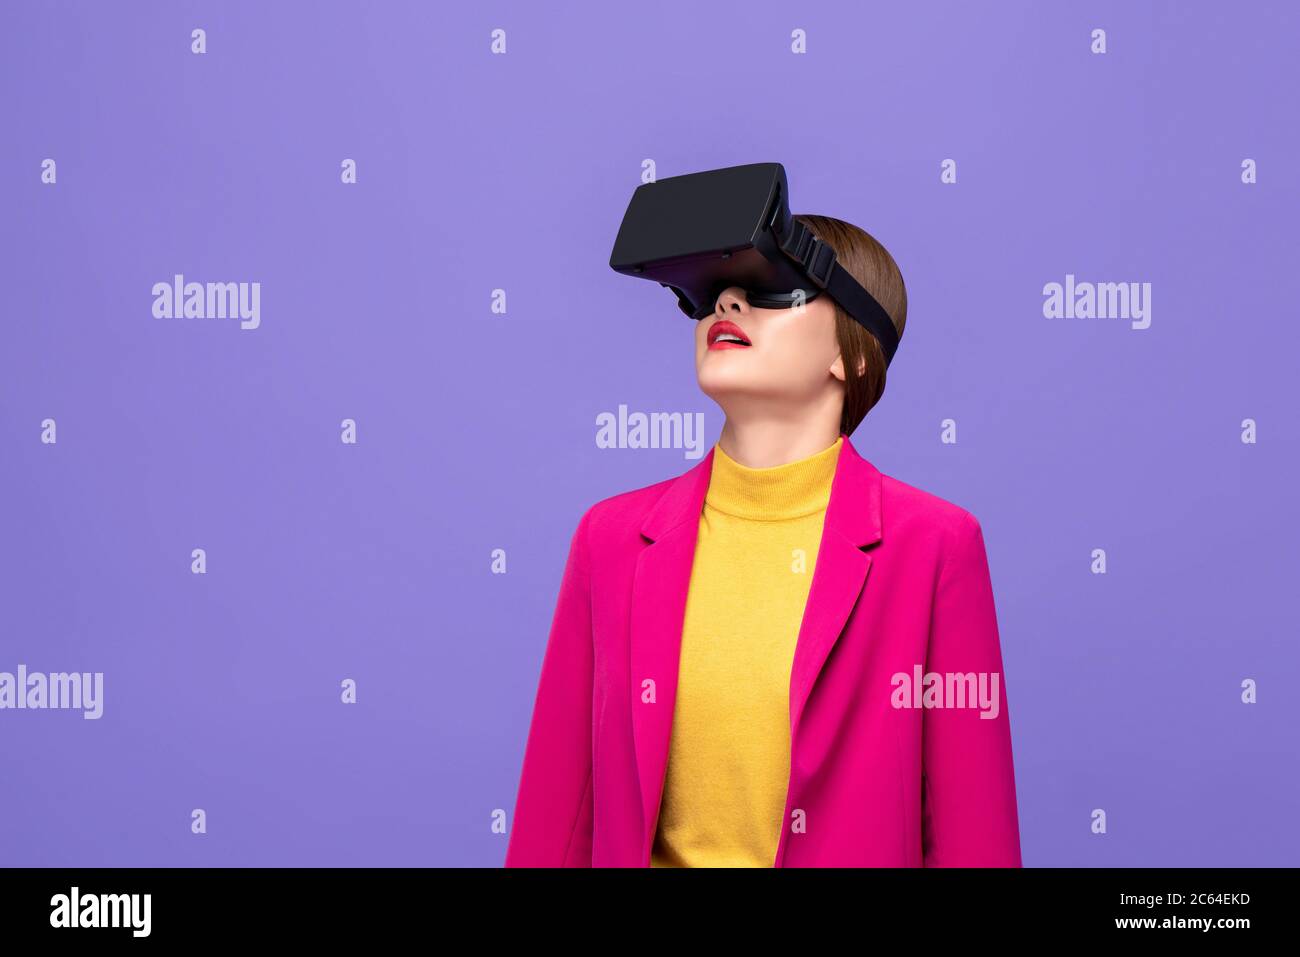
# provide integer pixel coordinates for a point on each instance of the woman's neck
(765, 443)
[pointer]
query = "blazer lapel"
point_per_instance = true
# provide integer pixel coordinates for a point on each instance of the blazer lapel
(852, 523)
(659, 589)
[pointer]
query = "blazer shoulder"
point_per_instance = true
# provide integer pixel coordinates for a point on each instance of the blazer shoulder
(614, 516)
(908, 504)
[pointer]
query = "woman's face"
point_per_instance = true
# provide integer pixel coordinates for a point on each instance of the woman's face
(792, 354)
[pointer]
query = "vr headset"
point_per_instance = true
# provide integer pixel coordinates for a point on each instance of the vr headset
(701, 233)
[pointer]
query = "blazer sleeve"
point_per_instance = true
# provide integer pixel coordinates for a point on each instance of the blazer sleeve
(553, 811)
(968, 788)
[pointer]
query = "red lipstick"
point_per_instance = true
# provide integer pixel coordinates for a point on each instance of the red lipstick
(725, 334)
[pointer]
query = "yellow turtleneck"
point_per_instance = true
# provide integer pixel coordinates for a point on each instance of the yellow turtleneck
(729, 757)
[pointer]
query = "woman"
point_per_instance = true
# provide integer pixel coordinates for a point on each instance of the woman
(782, 657)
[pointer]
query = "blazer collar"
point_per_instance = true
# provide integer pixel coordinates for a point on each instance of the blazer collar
(853, 509)
(659, 590)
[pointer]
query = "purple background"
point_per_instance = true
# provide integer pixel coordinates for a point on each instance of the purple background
(477, 431)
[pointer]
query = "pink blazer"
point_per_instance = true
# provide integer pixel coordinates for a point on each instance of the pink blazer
(900, 588)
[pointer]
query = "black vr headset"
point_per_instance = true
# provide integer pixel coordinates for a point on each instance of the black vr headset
(701, 233)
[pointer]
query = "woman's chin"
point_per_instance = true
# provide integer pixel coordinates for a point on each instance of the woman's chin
(722, 386)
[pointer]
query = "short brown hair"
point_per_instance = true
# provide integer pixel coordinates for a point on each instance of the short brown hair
(870, 264)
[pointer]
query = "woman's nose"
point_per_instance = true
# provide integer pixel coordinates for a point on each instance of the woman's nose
(731, 301)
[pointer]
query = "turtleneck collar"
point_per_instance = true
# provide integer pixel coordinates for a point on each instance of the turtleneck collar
(784, 491)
